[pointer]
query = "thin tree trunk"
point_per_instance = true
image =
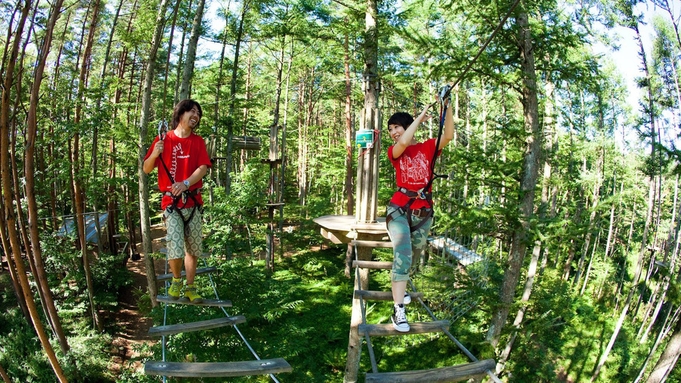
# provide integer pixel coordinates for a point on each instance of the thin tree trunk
(528, 180)
(188, 71)
(143, 179)
(349, 148)
(536, 252)
(79, 191)
(8, 216)
(33, 217)
(669, 356)
(646, 228)
(3, 373)
(232, 95)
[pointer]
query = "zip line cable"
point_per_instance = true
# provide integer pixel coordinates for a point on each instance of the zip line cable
(447, 89)
(482, 48)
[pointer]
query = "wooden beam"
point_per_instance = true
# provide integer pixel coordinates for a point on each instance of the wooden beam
(217, 369)
(436, 375)
(415, 328)
(382, 295)
(196, 326)
(185, 301)
(373, 265)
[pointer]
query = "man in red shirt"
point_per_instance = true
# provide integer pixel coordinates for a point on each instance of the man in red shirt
(183, 160)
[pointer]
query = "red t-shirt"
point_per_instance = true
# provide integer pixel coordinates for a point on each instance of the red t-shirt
(412, 170)
(182, 156)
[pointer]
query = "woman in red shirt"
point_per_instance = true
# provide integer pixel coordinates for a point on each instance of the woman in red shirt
(410, 212)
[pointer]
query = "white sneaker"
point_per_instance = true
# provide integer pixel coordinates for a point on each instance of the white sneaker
(399, 318)
(407, 298)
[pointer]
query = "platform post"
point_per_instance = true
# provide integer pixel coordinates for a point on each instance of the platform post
(367, 178)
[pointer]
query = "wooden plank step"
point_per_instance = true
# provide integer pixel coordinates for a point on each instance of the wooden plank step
(373, 265)
(196, 326)
(217, 369)
(185, 301)
(387, 329)
(201, 270)
(381, 244)
(436, 375)
(382, 295)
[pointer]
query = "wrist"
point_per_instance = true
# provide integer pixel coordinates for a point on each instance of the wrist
(186, 183)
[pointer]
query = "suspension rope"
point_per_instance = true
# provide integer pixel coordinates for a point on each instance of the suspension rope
(447, 89)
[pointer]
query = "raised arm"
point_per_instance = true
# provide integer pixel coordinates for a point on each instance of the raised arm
(448, 133)
(408, 136)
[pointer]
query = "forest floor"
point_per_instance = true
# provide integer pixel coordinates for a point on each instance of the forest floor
(132, 325)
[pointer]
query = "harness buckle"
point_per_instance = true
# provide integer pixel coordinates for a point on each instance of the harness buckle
(421, 194)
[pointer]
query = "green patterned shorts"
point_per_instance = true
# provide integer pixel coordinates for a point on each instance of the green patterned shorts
(179, 241)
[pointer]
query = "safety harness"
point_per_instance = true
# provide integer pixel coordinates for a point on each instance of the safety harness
(162, 129)
(424, 193)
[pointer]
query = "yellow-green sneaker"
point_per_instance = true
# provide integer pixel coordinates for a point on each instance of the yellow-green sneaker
(192, 295)
(175, 287)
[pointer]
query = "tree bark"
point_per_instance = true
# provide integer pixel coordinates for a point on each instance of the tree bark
(143, 189)
(232, 95)
(188, 71)
(669, 357)
(79, 190)
(8, 216)
(529, 176)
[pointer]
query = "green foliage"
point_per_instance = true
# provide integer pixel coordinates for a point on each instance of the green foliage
(25, 361)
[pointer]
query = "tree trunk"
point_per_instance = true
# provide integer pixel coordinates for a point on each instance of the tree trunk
(188, 72)
(669, 356)
(536, 252)
(349, 148)
(143, 189)
(8, 216)
(79, 191)
(232, 96)
(33, 216)
(528, 182)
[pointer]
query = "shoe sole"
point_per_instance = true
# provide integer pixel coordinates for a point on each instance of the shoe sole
(407, 300)
(400, 328)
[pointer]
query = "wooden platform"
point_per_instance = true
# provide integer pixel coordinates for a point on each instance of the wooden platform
(458, 373)
(185, 301)
(382, 295)
(246, 142)
(217, 369)
(415, 328)
(196, 326)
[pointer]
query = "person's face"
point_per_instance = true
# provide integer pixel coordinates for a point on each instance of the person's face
(395, 131)
(191, 117)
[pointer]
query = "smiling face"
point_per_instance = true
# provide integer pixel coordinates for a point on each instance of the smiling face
(187, 113)
(395, 131)
(191, 117)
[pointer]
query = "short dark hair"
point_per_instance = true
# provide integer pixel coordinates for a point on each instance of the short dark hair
(402, 119)
(182, 107)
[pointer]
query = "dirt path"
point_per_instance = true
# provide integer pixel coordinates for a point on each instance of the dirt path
(132, 325)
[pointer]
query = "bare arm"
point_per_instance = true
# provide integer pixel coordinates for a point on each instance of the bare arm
(178, 187)
(150, 163)
(448, 133)
(408, 136)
